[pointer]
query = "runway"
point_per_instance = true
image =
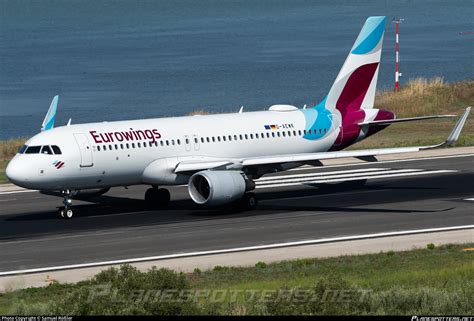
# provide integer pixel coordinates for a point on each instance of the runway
(308, 203)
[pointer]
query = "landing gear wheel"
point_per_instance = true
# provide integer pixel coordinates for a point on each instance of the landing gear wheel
(157, 198)
(66, 213)
(248, 202)
(163, 197)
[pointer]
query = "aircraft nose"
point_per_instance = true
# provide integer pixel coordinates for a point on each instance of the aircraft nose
(16, 173)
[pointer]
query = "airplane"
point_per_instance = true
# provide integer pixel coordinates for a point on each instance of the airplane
(218, 156)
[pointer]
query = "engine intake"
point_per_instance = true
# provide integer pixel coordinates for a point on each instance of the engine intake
(218, 187)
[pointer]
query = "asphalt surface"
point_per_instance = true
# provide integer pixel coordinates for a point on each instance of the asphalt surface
(295, 205)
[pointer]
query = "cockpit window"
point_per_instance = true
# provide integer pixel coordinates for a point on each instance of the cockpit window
(33, 150)
(46, 150)
(22, 149)
(56, 150)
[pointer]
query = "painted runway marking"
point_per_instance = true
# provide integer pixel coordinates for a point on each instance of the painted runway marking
(307, 167)
(238, 249)
(310, 177)
(321, 181)
(7, 200)
(17, 192)
(268, 178)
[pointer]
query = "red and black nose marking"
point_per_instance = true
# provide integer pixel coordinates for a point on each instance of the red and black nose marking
(58, 164)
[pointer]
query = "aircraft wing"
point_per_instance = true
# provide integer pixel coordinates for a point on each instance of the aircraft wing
(401, 120)
(196, 165)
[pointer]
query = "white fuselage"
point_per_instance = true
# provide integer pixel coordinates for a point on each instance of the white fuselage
(97, 155)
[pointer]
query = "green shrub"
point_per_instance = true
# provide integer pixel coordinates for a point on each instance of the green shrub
(127, 291)
(430, 246)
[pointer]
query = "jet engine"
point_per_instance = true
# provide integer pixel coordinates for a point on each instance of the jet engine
(218, 187)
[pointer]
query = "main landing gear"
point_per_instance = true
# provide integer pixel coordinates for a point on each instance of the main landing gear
(157, 198)
(248, 202)
(66, 212)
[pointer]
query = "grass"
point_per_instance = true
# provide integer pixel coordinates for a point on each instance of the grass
(8, 149)
(418, 97)
(435, 280)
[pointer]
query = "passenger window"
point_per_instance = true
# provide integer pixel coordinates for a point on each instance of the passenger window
(273, 134)
(223, 138)
(195, 140)
(179, 142)
(121, 146)
(213, 139)
(208, 140)
(202, 140)
(98, 148)
(167, 142)
(278, 134)
(268, 135)
(283, 133)
(230, 138)
(46, 150)
(235, 137)
(262, 135)
(325, 130)
(246, 136)
(22, 149)
(240, 136)
(251, 136)
(299, 132)
(33, 150)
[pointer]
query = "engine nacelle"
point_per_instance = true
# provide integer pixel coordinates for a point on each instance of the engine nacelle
(218, 187)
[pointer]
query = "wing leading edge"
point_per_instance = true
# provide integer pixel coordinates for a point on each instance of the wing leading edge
(192, 166)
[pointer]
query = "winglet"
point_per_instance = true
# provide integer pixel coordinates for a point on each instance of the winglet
(453, 137)
(48, 121)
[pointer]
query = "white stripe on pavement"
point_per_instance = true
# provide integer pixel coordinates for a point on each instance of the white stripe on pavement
(354, 178)
(310, 177)
(308, 167)
(323, 173)
(238, 249)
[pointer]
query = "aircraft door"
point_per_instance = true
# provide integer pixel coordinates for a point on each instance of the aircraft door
(196, 142)
(337, 123)
(187, 143)
(85, 150)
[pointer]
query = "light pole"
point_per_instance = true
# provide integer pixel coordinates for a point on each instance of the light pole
(397, 73)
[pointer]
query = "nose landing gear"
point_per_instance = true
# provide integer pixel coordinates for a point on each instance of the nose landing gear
(66, 212)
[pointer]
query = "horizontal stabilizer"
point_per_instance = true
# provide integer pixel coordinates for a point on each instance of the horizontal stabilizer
(401, 120)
